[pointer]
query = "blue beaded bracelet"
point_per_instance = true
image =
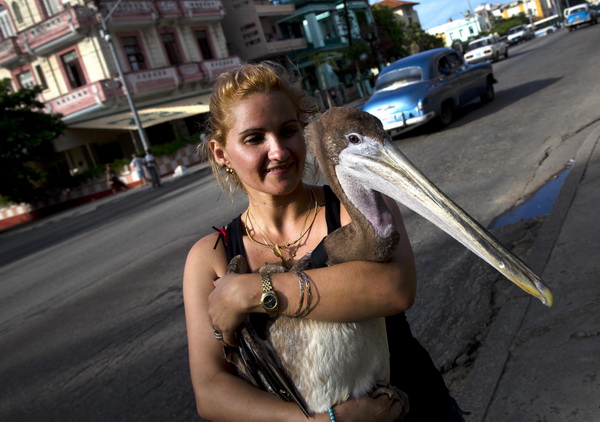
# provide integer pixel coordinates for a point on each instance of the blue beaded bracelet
(331, 415)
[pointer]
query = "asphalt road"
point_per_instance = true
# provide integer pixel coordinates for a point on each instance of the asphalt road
(91, 317)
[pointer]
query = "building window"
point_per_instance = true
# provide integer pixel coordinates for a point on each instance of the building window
(26, 80)
(17, 12)
(204, 44)
(171, 48)
(135, 58)
(6, 26)
(48, 7)
(73, 69)
(41, 77)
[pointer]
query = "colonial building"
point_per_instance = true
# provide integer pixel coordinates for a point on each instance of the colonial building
(168, 53)
(403, 10)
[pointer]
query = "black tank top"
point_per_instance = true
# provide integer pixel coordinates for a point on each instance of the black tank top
(411, 367)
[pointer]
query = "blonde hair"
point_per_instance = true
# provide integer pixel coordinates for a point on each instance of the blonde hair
(236, 85)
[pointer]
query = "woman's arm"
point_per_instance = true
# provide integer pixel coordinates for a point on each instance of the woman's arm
(351, 291)
(222, 396)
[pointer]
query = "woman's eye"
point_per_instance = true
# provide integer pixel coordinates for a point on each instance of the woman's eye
(253, 139)
(289, 131)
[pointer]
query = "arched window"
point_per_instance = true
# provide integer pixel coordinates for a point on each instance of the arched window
(17, 12)
(6, 25)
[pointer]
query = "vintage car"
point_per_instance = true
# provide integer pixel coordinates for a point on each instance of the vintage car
(486, 48)
(519, 33)
(428, 86)
(581, 14)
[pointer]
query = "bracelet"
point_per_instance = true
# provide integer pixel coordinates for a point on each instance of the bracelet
(331, 414)
(301, 283)
(308, 294)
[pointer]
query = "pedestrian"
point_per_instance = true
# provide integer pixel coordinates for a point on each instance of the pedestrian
(256, 143)
(138, 164)
(152, 168)
(112, 179)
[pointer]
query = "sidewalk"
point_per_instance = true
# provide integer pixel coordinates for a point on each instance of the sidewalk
(539, 363)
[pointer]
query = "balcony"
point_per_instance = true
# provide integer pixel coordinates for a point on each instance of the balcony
(192, 72)
(58, 31)
(10, 51)
(151, 82)
(214, 68)
(100, 94)
(143, 13)
(202, 10)
(267, 8)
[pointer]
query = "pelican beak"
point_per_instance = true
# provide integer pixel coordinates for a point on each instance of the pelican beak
(383, 168)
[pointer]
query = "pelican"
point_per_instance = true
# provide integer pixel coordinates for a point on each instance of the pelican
(327, 362)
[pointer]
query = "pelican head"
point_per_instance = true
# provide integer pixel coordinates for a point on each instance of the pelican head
(356, 154)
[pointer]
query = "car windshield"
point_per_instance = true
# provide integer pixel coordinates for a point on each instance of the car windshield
(397, 78)
(478, 44)
(577, 10)
(515, 29)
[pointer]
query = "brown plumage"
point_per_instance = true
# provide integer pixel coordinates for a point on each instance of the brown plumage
(330, 362)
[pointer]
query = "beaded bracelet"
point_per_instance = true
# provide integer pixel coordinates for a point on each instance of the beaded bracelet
(331, 414)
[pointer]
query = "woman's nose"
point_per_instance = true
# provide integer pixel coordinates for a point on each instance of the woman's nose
(277, 149)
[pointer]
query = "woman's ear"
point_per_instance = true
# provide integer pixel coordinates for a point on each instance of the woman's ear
(218, 152)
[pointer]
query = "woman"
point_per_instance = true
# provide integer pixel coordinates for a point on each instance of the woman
(257, 144)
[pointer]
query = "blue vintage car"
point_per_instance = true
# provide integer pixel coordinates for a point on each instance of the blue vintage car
(579, 15)
(427, 86)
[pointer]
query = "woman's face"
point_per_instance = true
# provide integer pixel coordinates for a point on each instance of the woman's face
(265, 145)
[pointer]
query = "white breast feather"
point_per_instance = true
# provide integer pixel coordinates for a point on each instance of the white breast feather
(331, 362)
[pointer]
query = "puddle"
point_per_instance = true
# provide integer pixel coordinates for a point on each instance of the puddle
(538, 205)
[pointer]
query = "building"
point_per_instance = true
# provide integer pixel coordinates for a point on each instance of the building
(403, 10)
(461, 29)
(168, 52)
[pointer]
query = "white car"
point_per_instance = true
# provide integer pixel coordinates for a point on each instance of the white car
(488, 48)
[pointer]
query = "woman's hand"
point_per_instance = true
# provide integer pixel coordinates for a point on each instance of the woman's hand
(366, 408)
(227, 305)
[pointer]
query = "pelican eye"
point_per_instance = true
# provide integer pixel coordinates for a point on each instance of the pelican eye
(353, 138)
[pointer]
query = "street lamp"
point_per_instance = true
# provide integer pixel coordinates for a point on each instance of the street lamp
(107, 37)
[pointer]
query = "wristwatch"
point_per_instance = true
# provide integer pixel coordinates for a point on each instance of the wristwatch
(269, 300)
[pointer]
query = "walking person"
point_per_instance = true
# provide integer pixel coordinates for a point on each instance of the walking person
(138, 163)
(152, 168)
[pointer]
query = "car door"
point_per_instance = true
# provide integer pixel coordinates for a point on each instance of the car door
(456, 75)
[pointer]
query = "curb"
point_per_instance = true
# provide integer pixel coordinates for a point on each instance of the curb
(490, 364)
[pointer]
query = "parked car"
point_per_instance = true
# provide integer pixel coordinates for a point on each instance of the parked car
(428, 86)
(519, 33)
(580, 15)
(486, 48)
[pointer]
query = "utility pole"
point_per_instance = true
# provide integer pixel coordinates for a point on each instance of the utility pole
(107, 37)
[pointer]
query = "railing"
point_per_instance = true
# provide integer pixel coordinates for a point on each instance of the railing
(147, 11)
(191, 72)
(64, 25)
(214, 68)
(96, 93)
(153, 79)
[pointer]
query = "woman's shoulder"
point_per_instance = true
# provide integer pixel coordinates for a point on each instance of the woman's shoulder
(209, 250)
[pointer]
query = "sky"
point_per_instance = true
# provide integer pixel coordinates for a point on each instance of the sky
(436, 12)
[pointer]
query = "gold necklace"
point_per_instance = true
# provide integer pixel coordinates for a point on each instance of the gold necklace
(277, 249)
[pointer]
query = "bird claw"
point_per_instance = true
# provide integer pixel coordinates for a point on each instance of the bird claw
(389, 390)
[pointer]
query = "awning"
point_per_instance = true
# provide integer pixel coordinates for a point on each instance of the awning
(149, 115)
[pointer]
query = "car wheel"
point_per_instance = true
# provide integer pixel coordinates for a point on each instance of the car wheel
(489, 94)
(446, 114)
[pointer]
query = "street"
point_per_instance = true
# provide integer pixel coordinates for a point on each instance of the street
(91, 314)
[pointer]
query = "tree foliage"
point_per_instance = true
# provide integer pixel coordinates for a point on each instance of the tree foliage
(391, 34)
(26, 148)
